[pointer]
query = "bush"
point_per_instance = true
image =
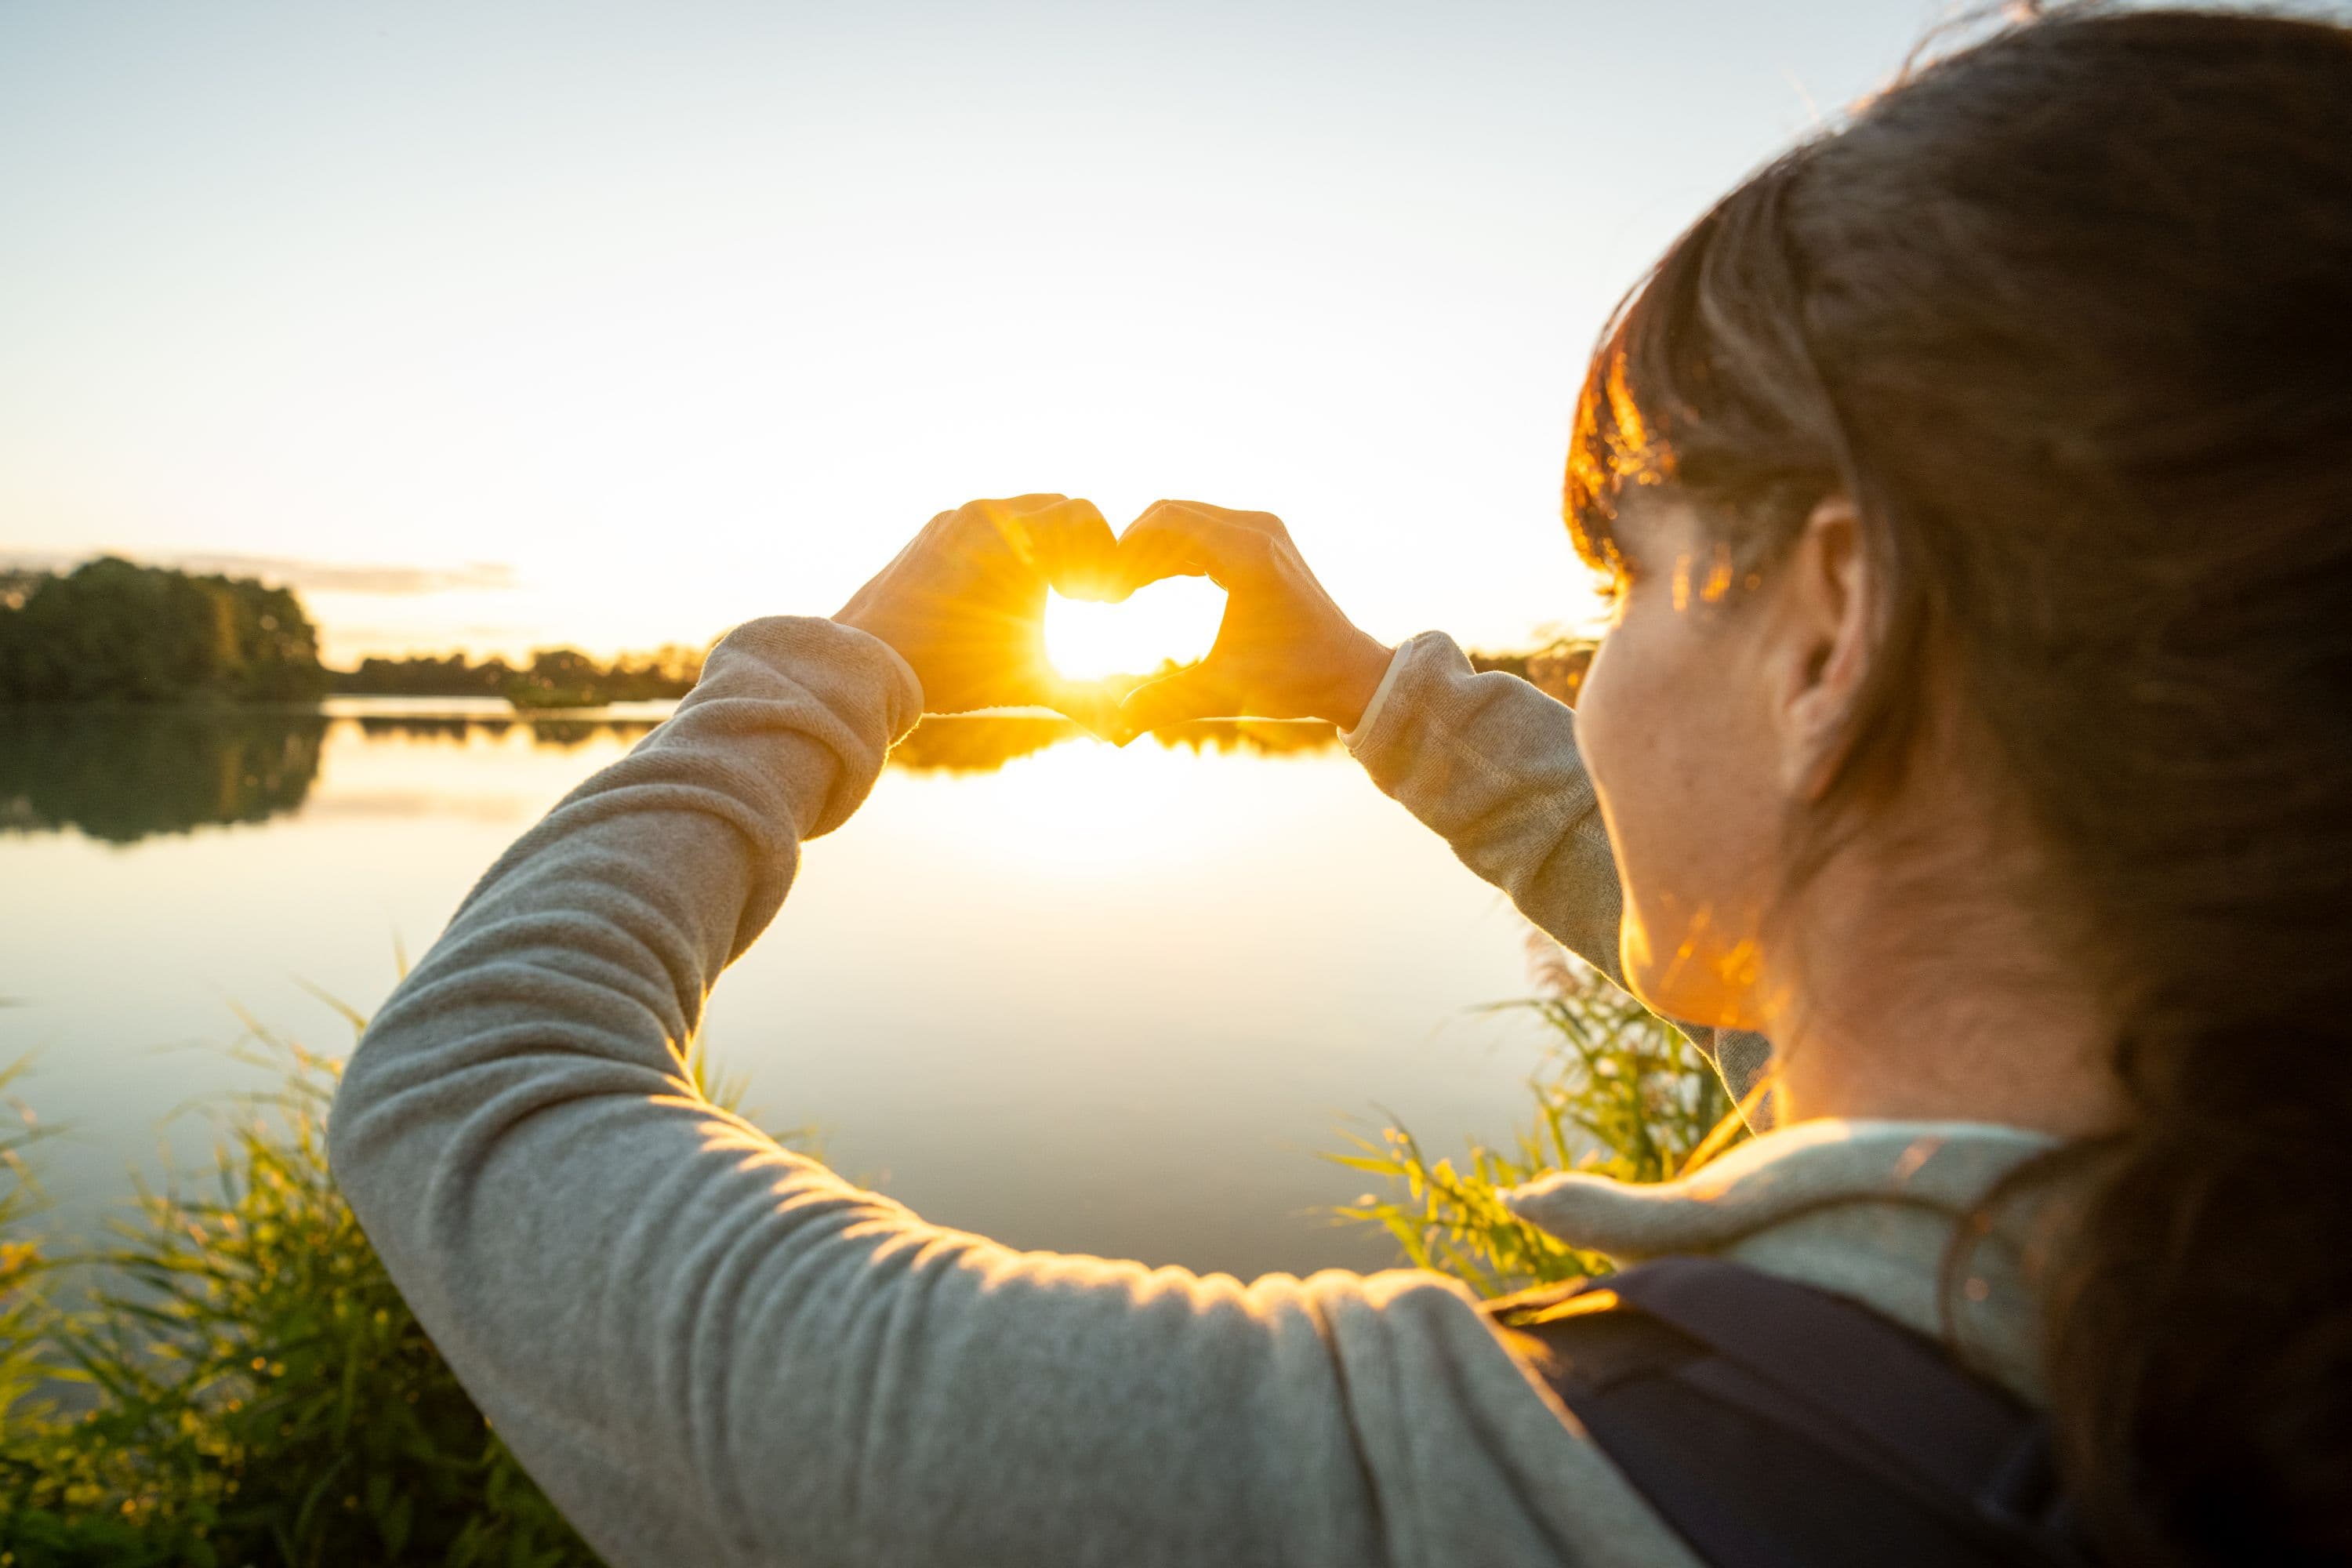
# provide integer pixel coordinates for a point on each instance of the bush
(261, 1394)
(1620, 1092)
(24, 1317)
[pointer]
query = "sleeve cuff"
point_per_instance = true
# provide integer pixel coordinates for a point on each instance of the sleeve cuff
(1370, 718)
(911, 685)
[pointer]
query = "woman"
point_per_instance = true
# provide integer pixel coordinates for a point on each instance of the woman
(1974, 724)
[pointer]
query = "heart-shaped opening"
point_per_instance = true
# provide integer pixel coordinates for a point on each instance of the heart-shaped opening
(1159, 626)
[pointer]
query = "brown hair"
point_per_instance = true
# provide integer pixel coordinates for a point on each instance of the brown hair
(2068, 314)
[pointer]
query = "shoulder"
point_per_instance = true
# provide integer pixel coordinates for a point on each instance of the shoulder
(1458, 1426)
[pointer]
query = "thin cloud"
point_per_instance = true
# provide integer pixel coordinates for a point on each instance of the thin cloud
(321, 576)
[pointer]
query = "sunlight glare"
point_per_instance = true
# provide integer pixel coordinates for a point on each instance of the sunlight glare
(1173, 621)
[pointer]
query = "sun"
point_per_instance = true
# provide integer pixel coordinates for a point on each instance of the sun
(1174, 621)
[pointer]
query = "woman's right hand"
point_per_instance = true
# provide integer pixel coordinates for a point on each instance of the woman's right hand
(1284, 649)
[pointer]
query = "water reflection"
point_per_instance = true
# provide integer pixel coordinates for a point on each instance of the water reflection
(1254, 737)
(122, 774)
(982, 742)
(566, 733)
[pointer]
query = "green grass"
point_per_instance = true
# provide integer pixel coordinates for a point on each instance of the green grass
(24, 1313)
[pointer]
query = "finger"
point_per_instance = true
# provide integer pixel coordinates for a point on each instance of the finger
(1200, 692)
(1007, 519)
(1094, 704)
(1016, 506)
(1183, 539)
(1072, 548)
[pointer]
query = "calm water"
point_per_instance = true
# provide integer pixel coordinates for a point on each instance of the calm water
(1065, 995)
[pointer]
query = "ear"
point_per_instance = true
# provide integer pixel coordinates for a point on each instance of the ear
(1821, 643)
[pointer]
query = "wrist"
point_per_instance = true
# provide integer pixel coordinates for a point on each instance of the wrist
(858, 618)
(879, 628)
(1362, 664)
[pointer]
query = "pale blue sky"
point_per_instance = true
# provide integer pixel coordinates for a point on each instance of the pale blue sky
(619, 323)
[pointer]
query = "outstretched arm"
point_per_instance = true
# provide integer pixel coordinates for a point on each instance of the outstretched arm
(1487, 760)
(710, 1350)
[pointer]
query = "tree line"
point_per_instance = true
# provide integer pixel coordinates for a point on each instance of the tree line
(555, 677)
(113, 631)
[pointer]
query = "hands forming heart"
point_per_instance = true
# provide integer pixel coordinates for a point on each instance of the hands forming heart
(964, 604)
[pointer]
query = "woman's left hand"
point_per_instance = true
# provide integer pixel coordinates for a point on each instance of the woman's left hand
(964, 604)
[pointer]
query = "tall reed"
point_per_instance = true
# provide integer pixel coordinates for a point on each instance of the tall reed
(1619, 1092)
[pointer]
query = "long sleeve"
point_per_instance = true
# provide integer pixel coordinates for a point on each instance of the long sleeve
(1491, 764)
(710, 1350)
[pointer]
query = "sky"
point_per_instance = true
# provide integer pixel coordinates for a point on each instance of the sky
(499, 326)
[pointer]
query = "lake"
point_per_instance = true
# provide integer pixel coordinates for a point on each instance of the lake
(1066, 996)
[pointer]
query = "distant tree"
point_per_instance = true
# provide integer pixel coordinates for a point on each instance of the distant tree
(112, 631)
(1559, 669)
(422, 675)
(560, 676)
(1558, 666)
(670, 670)
(277, 649)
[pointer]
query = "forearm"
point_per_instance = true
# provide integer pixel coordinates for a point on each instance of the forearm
(517, 1132)
(1492, 765)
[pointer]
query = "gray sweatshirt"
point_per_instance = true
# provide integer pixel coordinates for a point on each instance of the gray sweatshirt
(712, 1350)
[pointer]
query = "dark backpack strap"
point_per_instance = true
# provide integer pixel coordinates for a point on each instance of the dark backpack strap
(1774, 1426)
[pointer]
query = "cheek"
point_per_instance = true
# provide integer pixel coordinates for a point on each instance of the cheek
(1665, 737)
(1642, 726)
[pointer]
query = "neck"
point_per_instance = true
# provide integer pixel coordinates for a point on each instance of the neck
(1917, 996)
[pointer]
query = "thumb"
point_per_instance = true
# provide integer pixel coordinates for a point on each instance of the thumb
(1200, 692)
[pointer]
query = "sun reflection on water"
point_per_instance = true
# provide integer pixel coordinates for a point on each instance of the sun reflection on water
(1064, 804)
